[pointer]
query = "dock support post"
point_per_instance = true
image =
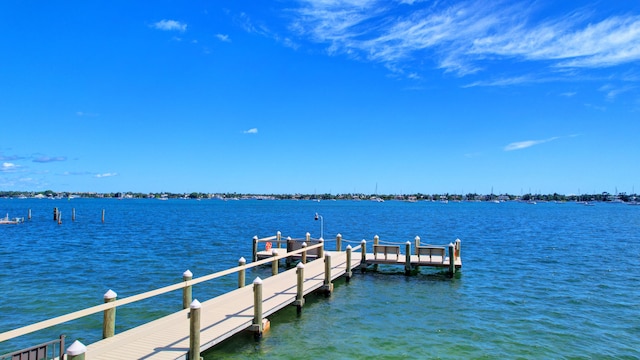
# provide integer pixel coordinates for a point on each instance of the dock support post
(259, 325)
(73, 214)
(363, 257)
(59, 218)
(29, 214)
(278, 238)
(417, 239)
(274, 263)
(307, 237)
(241, 273)
(328, 285)
(186, 291)
(304, 253)
(348, 272)
(55, 214)
(452, 259)
(299, 303)
(457, 248)
(109, 317)
(407, 260)
(321, 249)
(255, 248)
(339, 242)
(76, 351)
(194, 330)
(103, 216)
(376, 240)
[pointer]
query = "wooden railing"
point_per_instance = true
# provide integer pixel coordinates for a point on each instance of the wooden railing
(110, 303)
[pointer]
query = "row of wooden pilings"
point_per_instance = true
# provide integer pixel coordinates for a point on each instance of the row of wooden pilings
(57, 215)
(259, 324)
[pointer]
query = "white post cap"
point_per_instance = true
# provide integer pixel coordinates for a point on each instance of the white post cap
(187, 273)
(242, 260)
(76, 348)
(300, 265)
(363, 241)
(408, 242)
(110, 295)
(195, 304)
(257, 281)
(348, 247)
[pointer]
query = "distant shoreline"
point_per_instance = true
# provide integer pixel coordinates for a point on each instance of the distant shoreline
(602, 197)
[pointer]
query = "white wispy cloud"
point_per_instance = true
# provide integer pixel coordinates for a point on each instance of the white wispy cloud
(223, 37)
(8, 167)
(612, 91)
(106, 175)
(251, 131)
(466, 37)
(519, 145)
(170, 25)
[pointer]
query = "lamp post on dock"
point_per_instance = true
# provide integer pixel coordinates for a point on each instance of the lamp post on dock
(321, 225)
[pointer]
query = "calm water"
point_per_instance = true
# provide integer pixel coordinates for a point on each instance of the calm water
(538, 281)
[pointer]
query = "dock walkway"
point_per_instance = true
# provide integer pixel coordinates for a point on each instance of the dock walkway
(221, 317)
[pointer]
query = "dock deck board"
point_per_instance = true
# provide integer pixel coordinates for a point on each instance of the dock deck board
(221, 317)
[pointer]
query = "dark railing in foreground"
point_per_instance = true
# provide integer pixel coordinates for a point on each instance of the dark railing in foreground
(53, 349)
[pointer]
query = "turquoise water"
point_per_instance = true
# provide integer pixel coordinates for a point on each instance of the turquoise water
(538, 281)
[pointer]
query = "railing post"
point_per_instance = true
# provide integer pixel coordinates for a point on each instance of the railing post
(307, 237)
(452, 259)
(304, 253)
(363, 252)
(241, 273)
(321, 248)
(328, 285)
(255, 248)
(348, 272)
(194, 330)
(376, 240)
(299, 303)
(278, 237)
(76, 351)
(407, 260)
(457, 248)
(274, 263)
(259, 325)
(109, 318)
(417, 239)
(339, 242)
(186, 291)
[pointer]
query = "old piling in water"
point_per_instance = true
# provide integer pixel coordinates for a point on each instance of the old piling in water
(109, 316)
(452, 259)
(255, 248)
(407, 260)
(347, 271)
(29, 215)
(102, 215)
(73, 214)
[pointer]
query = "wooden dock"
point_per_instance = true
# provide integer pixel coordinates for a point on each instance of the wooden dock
(172, 336)
(222, 316)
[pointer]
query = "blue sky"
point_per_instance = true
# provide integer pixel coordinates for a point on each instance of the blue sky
(320, 96)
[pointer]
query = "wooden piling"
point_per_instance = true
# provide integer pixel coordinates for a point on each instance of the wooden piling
(304, 253)
(103, 216)
(328, 285)
(278, 239)
(109, 318)
(255, 248)
(339, 242)
(363, 252)
(407, 260)
(73, 214)
(417, 240)
(299, 303)
(194, 330)
(29, 215)
(76, 351)
(376, 240)
(452, 259)
(348, 272)
(256, 326)
(59, 218)
(321, 249)
(241, 273)
(458, 243)
(307, 237)
(187, 290)
(274, 263)
(55, 214)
